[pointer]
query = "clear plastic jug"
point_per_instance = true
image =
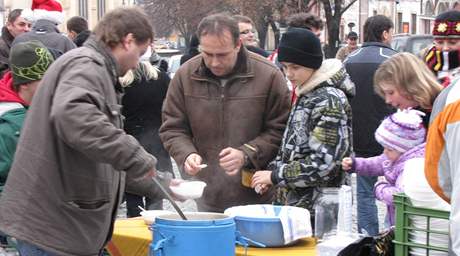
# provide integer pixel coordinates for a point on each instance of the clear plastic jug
(326, 212)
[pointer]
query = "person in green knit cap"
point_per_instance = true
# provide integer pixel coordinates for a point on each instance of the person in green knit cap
(28, 62)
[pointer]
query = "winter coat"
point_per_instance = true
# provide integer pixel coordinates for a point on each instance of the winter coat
(5, 46)
(81, 38)
(12, 114)
(369, 109)
(203, 114)
(318, 135)
(142, 103)
(47, 32)
(67, 179)
(192, 52)
(382, 166)
(258, 50)
(442, 165)
(343, 52)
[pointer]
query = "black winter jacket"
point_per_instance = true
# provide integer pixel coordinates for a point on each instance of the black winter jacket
(368, 108)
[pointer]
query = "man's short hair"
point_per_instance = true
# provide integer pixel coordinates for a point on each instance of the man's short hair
(216, 24)
(243, 19)
(118, 23)
(13, 15)
(305, 20)
(77, 24)
(352, 34)
(375, 26)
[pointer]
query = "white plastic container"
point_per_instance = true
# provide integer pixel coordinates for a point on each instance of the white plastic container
(326, 212)
(345, 220)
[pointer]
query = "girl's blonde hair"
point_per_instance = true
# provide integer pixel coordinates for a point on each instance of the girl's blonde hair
(410, 76)
(144, 70)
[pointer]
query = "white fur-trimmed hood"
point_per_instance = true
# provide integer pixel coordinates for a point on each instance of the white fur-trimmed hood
(331, 71)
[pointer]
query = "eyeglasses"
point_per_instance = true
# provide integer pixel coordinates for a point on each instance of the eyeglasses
(247, 31)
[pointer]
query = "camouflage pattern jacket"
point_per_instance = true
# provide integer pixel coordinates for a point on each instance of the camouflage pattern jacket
(317, 136)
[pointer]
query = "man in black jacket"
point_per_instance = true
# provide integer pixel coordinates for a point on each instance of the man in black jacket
(15, 25)
(77, 30)
(368, 109)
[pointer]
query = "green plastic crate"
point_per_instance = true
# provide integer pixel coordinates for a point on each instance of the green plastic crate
(404, 212)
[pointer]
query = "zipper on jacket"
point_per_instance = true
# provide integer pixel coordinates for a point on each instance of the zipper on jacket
(223, 84)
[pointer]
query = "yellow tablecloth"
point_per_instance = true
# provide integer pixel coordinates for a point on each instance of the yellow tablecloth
(131, 237)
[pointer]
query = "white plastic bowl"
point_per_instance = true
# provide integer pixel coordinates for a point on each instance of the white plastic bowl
(149, 216)
(189, 189)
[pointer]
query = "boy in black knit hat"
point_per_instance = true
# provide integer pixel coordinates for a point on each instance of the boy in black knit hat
(318, 132)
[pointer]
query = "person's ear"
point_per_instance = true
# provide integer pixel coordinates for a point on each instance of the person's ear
(72, 34)
(238, 44)
(386, 35)
(127, 40)
(23, 87)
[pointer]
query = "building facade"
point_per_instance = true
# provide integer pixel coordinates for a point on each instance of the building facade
(92, 10)
(409, 16)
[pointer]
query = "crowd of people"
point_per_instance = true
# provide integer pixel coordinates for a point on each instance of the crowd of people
(84, 124)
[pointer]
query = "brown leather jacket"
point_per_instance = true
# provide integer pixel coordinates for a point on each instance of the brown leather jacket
(202, 115)
(66, 182)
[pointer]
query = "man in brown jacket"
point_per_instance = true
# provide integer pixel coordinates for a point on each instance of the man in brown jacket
(226, 108)
(68, 175)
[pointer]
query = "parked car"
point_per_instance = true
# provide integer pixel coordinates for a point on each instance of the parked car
(167, 53)
(173, 64)
(411, 43)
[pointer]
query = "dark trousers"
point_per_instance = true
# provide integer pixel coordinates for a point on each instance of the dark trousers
(150, 140)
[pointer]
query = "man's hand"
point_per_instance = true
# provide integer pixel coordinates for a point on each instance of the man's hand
(231, 160)
(192, 164)
(150, 173)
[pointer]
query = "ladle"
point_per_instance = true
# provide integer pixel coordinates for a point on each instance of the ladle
(169, 197)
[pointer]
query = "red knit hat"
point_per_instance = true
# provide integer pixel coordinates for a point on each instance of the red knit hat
(49, 5)
(48, 9)
(447, 24)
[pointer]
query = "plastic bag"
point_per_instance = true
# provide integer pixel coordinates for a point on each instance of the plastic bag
(380, 245)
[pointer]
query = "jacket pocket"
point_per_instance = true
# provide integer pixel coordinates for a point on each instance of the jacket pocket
(90, 222)
(88, 204)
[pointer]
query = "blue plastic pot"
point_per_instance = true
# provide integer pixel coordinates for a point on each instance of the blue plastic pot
(267, 231)
(261, 223)
(202, 234)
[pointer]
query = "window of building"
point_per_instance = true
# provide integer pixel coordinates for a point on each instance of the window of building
(426, 26)
(100, 8)
(83, 8)
(413, 23)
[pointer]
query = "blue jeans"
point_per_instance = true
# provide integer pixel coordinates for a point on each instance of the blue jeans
(367, 209)
(27, 249)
